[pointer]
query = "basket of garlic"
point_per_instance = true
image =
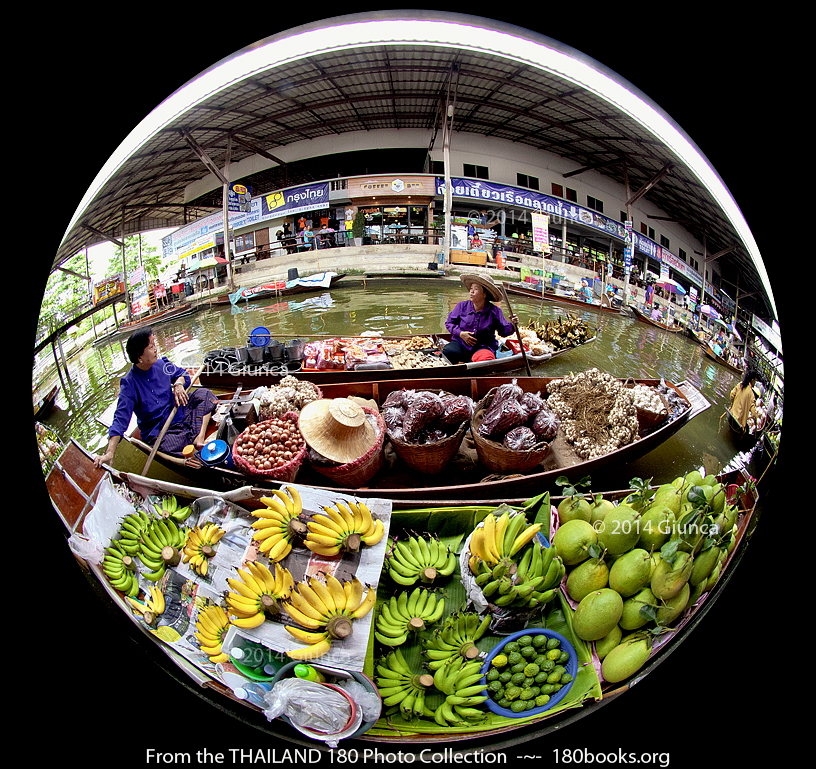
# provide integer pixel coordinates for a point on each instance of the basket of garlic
(290, 394)
(651, 408)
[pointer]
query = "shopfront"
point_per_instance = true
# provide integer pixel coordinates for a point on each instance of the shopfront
(396, 209)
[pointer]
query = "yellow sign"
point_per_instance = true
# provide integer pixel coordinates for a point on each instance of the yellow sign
(275, 200)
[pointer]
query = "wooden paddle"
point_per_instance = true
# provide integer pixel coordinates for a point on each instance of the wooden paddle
(167, 424)
(515, 326)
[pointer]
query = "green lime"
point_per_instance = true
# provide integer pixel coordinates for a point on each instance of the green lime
(539, 640)
(500, 660)
(514, 658)
(564, 658)
(505, 676)
(541, 678)
(527, 694)
(511, 646)
(525, 640)
(512, 692)
(528, 652)
(542, 700)
(504, 703)
(518, 667)
(518, 706)
(554, 678)
(517, 679)
(553, 643)
(531, 670)
(566, 678)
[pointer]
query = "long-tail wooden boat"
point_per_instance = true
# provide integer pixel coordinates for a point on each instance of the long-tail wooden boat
(43, 405)
(466, 479)
(76, 487)
(225, 374)
(642, 316)
(709, 352)
(551, 297)
(280, 288)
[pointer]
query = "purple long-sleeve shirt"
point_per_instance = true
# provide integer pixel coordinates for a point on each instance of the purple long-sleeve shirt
(484, 324)
(149, 395)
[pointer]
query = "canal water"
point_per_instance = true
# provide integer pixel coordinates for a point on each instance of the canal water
(624, 347)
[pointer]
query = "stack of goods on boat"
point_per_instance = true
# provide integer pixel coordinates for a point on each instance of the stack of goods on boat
(371, 354)
(548, 337)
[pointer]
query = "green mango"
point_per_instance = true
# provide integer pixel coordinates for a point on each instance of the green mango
(600, 509)
(596, 614)
(620, 529)
(591, 574)
(574, 507)
(673, 607)
(668, 578)
(656, 526)
(631, 618)
(704, 563)
(630, 572)
(573, 540)
(604, 645)
(629, 656)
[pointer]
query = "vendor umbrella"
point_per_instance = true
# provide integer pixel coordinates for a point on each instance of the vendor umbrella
(708, 310)
(671, 285)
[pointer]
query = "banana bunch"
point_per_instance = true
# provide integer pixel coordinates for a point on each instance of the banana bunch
(326, 611)
(416, 558)
(501, 538)
(211, 627)
(131, 528)
(120, 569)
(400, 686)
(151, 608)
(170, 509)
(278, 525)
(257, 593)
(342, 528)
(460, 682)
(456, 637)
(198, 548)
(159, 545)
(404, 614)
(530, 584)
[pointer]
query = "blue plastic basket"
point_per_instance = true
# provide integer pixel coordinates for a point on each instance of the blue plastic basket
(259, 336)
(571, 666)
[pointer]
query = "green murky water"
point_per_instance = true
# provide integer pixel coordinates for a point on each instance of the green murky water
(624, 347)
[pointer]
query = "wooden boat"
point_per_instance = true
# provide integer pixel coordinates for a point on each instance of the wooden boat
(281, 288)
(739, 433)
(709, 351)
(222, 374)
(470, 480)
(43, 406)
(642, 316)
(128, 327)
(552, 297)
(74, 486)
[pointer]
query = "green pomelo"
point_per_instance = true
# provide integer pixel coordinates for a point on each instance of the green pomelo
(704, 564)
(693, 478)
(631, 618)
(620, 529)
(591, 574)
(733, 543)
(656, 526)
(630, 572)
(674, 607)
(668, 578)
(708, 480)
(597, 614)
(600, 509)
(718, 498)
(626, 658)
(696, 594)
(656, 559)
(574, 507)
(668, 496)
(713, 577)
(605, 645)
(573, 540)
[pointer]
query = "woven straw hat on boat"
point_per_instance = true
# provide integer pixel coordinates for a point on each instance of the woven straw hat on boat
(486, 282)
(337, 428)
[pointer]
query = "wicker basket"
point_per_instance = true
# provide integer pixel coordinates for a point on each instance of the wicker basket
(496, 457)
(354, 475)
(430, 458)
(649, 419)
(286, 472)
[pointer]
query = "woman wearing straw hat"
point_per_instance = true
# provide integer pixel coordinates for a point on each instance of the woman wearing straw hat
(474, 322)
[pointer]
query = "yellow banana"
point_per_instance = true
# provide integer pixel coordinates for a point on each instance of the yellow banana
(300, 617)
(337, 593)
(328, 551)
(250, 622)
(376, 534)
(250, 581)
(306, 636)
(477, 546)
(354, 594)
(489, 527)
(311, 652)
(317, 527)
(336, 519)
(276, 507)
(312, 598)
(277, 551)
(501, 528)
(302, 605)
(240, 587)
(523, 538)
(346, 515)
(323, 593)
(288, 504)
(366, 604)
(296, 500)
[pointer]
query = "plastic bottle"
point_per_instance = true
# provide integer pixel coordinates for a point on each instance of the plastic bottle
(253, 692)
(309, 673)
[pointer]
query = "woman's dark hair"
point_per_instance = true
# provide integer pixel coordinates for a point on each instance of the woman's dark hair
(749, 376)
(137, 342)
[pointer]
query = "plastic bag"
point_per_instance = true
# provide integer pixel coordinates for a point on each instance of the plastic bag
(458, 409)
(532, 403)
(520, 439)
(102, 523)
(366, 701)
(308, 704)
(499, 419)
(509, 390)
(545, 425)
(424, 408)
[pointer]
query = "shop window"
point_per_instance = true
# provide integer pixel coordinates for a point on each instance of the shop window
(557, 190)
(647, 231)
(530, 182)
(595, 204)
(571, 195)
(664, 241)
(478, 172)
(683, 255)
(438, 167)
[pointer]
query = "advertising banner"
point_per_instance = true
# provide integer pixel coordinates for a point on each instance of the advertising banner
(295, 200)
(541, 233)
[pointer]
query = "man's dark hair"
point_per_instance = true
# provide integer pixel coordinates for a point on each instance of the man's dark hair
(137, 342)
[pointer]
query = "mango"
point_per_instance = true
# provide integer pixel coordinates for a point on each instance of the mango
(604, 645)
(629, 656)
(600, 509)
(631, 618)
(597, 613)
(574, 507)
(673, 607)
(656, 526)
(591, 574)
(630, 572)
(704, 564)
(620, 529)
(573, 540)
(668, 578)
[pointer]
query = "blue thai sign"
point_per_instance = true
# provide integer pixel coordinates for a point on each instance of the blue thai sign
(295, 200)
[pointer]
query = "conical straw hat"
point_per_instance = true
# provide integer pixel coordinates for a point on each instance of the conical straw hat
(337, 428)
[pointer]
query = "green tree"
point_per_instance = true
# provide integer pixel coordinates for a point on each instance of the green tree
(137, 253)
